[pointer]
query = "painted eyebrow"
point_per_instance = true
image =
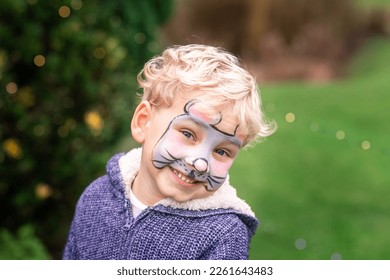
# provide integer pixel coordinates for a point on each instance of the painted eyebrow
(234, 140)
(227, 137)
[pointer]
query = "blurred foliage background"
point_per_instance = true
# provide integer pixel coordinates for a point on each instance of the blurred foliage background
(68, 89)
(67, 75)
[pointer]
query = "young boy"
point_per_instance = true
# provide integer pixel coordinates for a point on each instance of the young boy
(171, 198)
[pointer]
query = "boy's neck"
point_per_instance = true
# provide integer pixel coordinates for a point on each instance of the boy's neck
(143, 193)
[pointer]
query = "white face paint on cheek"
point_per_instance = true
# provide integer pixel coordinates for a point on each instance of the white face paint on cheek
(172, 144)
(168, 149)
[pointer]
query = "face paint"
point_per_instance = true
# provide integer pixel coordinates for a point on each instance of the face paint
(190, 146)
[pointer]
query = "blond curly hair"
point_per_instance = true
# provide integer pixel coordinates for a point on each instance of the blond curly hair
(214, 72)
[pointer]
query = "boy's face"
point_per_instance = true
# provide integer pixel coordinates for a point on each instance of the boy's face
(188, 150)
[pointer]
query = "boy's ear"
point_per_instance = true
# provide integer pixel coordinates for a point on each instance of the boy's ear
(141, 117)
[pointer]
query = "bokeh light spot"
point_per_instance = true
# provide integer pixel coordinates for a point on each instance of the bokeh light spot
(43, 191)
(336, 256)
(64, 11)
(290, 117)
(39, 60)
(39, 130)
(12, 148)
(76, 4)
(11, 88)
(300, 243)
(153, 46)
(26, 97)
(63, 130)
(99, 53)
(94, 121)
(139, 38)
(340, 134)
(366, 145)
(314, 127)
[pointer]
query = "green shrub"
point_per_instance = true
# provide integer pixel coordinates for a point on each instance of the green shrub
(23, 245)
(67, 87)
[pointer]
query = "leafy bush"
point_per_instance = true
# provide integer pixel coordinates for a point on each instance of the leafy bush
(24, 245)
(67, 83)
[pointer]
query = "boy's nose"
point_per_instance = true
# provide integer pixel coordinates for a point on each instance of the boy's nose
(200, 164)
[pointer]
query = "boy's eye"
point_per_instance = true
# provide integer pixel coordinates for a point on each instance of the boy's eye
(221, 152)
(187, 134)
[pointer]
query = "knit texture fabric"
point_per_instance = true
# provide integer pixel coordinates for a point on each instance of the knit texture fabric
(104, 227)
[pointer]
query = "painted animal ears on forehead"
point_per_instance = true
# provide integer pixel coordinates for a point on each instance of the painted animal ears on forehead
(203, 112)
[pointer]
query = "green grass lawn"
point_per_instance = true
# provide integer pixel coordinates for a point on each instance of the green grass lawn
(373, 3)
(321, 184)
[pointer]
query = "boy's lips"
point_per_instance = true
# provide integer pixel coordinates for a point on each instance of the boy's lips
(182, 177)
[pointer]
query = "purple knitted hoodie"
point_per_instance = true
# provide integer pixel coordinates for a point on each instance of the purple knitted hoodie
(217, 227)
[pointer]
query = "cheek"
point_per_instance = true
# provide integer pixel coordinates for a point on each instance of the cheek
(221, 169)
(172, 143)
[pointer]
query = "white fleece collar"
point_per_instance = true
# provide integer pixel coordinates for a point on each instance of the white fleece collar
(225, 197)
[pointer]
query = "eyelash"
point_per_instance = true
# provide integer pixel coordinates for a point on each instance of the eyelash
(225, 153)
(188, 134)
